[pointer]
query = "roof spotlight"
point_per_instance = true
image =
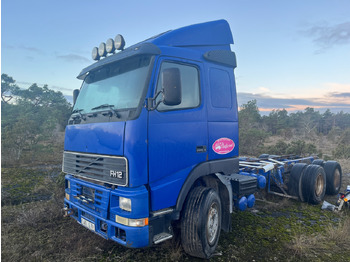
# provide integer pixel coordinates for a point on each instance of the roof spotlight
(119, 42)
(94, 54)
(110, 45)
(102, 50)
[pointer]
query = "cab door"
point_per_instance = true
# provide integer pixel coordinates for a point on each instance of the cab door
(178, 135)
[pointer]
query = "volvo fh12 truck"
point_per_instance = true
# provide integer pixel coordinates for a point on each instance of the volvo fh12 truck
(151, 147)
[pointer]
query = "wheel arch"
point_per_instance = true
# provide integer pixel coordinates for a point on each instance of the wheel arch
(206, 174)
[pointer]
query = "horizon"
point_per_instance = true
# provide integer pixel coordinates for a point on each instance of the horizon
(263, 103)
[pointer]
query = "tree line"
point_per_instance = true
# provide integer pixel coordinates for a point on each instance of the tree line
(32, 123)
(297, 127)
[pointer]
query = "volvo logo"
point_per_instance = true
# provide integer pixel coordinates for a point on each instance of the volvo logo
(116, 174)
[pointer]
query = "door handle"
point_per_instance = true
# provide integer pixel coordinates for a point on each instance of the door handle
(201, 149)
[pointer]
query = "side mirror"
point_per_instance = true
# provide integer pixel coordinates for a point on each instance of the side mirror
(75, 95)
(171, 86)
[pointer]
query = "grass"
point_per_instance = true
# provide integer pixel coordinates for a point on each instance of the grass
(276, 229)
(330, 244)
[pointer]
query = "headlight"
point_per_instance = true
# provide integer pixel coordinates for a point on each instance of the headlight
(102, 49)
(110, 45)
(119, 42)
(125, 203)
(94, 54)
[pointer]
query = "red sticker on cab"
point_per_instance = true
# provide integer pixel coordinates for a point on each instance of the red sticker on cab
(223, 146)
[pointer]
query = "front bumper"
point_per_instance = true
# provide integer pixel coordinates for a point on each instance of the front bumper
(134, 237)
(97, 208)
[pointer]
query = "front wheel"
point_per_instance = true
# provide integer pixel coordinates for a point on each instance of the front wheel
(201, 222)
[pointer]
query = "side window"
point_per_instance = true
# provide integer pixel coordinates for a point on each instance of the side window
(190, 90)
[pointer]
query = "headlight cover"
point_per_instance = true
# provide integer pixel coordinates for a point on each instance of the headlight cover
(125, 203)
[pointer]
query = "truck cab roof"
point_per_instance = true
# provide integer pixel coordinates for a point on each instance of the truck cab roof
(212, 39)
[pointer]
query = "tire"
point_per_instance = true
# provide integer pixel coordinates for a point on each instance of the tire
(333, 177)
(295, 181)
(201, 222)
(319, 162)
(314, 184)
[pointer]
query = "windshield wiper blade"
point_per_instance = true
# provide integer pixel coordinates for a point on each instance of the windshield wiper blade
(102, 106)
(77, 111)
(111, 107)
(82, 116)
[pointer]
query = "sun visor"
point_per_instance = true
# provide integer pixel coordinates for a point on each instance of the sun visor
(140, 49)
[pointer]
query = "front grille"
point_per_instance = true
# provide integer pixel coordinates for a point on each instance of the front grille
(107, 169)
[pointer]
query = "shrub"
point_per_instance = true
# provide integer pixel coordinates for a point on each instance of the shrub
(251, 141)
(343, 148)
(298, 147)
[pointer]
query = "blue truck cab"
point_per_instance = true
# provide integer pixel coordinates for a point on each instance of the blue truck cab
(152, 142)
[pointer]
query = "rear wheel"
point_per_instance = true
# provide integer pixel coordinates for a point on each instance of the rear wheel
(295, 182)
(201, 222)
(314, 184)
(333, 177)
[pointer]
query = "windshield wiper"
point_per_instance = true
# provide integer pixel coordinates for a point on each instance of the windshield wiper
(111, 107)
(80, 115)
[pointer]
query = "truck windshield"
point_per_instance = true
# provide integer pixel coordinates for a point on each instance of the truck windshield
(118, 86)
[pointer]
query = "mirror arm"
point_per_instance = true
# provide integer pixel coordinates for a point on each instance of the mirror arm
(150, 101)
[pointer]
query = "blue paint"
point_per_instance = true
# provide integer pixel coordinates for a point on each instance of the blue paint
(260, 178)
(242, 203)
(251, 201)
(162, 146)
(216, 33)
(136, 150)
(261, 182)
(139, 202)
(96, 138)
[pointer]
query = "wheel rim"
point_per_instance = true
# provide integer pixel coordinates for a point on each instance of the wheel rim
(212, 223)
(336, 179)
(319, 185)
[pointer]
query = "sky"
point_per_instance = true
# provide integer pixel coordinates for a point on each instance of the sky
(290, 54)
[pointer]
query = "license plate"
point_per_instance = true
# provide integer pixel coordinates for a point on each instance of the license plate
(88, 224)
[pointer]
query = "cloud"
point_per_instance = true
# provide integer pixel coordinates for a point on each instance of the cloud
(73, 58)
(27, 49)
(342, 95)
(326, 36)
(60, 88)
(29, 58)
(264, 89)
(7, 46)
(268, 103)
(23, 47)
(31, 49)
